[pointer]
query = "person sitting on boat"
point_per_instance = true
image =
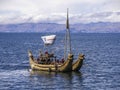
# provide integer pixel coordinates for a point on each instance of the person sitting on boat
(47, 58)
(46, 54)
(62, 61)
(40, 54)
(57, 61)
(38, 60)
(51, 55)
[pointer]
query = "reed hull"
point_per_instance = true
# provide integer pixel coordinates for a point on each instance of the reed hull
(65, 67)
(78, 64)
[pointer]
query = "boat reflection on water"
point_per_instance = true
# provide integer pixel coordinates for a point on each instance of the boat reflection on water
(41, 73)
(68, 75)
(56, 80)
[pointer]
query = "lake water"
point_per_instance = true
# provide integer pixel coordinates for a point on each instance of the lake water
(100, 71)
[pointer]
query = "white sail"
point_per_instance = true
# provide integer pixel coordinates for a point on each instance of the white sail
(48, 40)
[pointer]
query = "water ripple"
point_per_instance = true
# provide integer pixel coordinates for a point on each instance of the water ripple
(100, 71)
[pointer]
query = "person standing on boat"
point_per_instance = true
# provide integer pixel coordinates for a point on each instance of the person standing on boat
(62, 60)
(40, 58)
(47, 57)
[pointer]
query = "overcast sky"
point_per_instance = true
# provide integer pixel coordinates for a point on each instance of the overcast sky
(20, 11)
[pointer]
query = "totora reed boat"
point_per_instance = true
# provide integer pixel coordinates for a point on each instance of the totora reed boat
(48, 62)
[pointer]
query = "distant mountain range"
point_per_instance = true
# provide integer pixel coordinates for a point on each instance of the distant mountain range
(99, 27)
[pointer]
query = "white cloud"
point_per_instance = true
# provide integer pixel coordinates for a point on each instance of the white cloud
(19, 11)
(97, 17)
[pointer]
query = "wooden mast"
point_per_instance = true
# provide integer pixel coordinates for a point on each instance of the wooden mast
(68, 32)
(67, 38)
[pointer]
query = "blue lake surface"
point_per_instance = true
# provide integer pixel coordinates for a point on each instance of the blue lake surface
(100, 71)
